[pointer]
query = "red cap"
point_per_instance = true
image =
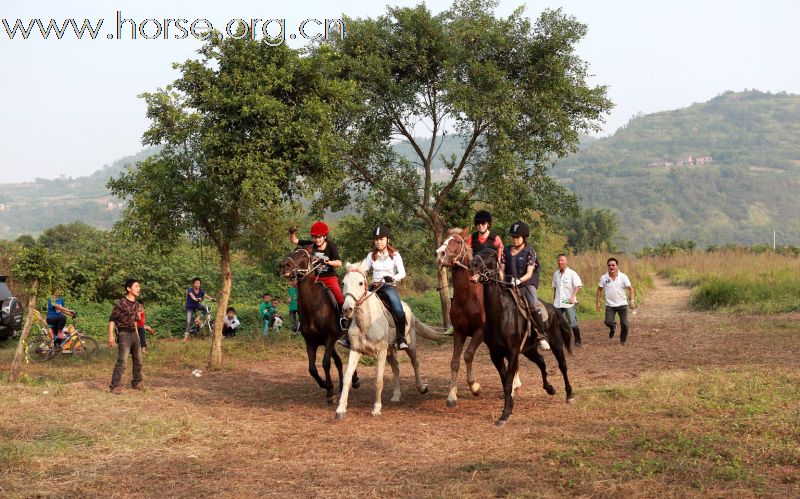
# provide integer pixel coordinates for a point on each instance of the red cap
(319, 229)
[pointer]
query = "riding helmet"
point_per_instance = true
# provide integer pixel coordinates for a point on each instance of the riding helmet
(381, 231)
(483, 216)
(520, 229)
(319, 228)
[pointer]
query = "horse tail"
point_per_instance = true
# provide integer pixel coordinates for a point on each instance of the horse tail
(430, 332)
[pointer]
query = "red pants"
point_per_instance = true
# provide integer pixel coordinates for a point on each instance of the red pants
(332, 283)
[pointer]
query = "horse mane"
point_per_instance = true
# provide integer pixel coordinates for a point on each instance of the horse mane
(358, 266)
(456, 230)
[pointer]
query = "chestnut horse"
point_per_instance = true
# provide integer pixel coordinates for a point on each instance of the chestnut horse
(505, 331)
(466, 310)
(319, 325)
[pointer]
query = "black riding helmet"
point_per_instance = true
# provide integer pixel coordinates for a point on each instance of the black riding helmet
(520, 229)
(483, 216)
(381, 231)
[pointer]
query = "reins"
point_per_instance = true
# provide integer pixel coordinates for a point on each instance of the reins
(313, 263)
(367, 292)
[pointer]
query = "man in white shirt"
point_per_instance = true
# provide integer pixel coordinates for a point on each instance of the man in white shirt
(615, 284)
(566, 284)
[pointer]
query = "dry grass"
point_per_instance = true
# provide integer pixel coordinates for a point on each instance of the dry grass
(696, 404)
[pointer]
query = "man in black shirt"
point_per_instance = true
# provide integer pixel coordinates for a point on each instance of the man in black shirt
(124, 318)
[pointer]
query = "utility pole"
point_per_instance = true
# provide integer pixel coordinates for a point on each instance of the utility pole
(773, 239)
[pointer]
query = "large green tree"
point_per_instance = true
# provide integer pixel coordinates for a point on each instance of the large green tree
(243, 130)
(513, 91)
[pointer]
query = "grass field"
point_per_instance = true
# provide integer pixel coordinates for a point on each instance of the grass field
(736, 280)
(696, 404)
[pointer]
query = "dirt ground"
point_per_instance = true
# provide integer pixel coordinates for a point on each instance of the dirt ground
(262, 428)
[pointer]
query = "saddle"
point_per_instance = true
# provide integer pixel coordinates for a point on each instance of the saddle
(330, 297)
(522, 306)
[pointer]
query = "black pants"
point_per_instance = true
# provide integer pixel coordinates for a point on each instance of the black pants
(228, 332)
(143, 337)
(128, 344)
(623, 321)
(294, 325)
(57, 324)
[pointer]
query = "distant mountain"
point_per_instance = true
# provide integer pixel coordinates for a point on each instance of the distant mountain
(31, 207)
(722, 171)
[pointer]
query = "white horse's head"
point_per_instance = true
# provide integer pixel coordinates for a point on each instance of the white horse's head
(355, 286)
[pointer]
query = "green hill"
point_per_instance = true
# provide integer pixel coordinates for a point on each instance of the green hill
(750, 186)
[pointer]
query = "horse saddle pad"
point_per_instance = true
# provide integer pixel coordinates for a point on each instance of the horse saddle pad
(387, 309)
(522, 304)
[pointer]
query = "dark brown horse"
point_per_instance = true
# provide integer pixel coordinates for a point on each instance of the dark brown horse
(466, 311)
(319, 323)
(505, 328)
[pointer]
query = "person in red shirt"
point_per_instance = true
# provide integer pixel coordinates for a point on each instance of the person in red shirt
(142, 328)
(483, 237)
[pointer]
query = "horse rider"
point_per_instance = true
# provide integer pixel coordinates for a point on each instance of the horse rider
(326, 251)
(519, 263)
(387, 270)
(484, 237)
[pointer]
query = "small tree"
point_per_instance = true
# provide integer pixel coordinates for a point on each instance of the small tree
(242, 131)
(37, 269)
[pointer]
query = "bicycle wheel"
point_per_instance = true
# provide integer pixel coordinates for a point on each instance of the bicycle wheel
(84, 346)
(40, 347)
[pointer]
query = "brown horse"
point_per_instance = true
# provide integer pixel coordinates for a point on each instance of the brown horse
(319, 325)
(466, 310)
(505, 332)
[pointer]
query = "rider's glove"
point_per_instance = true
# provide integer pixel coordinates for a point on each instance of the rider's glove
(388, 278)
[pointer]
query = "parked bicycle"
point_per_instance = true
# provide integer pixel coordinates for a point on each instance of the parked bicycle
(43, 346)
(203, 324)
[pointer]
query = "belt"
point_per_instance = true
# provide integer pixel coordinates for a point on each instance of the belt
(126, 330)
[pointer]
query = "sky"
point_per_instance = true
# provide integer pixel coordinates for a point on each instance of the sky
(71, 106)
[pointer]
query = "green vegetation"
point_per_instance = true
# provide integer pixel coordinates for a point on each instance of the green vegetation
(737, 280)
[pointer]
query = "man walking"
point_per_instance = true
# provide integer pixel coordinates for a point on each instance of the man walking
(566, 284)
(615, 284)
(124, 317)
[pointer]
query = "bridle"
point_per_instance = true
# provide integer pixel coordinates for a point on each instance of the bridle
(367, 293)
(313, 263)
(486, 274)
(457, 259)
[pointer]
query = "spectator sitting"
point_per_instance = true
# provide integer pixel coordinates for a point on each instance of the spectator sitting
(231, 323)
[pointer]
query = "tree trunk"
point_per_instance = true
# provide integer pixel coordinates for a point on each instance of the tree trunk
(19, 355)
(444, 288)
(215, 358)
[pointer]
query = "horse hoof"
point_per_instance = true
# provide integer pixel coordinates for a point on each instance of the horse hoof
(475, 389)
(356, 384)
(376, 413)
(451, 403)
(550, 390)
(570, 399)
(339, 416)
(500, 422)
(329, 400)
(423, 389)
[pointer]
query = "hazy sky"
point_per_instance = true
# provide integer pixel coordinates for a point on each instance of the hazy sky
(70, 106)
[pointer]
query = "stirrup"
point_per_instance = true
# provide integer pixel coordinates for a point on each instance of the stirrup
(344, 323)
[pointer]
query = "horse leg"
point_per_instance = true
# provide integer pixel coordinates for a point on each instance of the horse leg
(455, 363)
(326, 366)
(562, 366)
(380, 366)
(412, 354)
(499, 361)
(396, 373)
(337, 361)
(535, 357)
(508, 386)
(469, 354)
(352, 362)
(312, 364)
(516, 384)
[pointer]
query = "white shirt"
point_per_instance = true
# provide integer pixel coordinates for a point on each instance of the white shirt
(383, 265)
(615, 289)
(231, 323)
(565, 285)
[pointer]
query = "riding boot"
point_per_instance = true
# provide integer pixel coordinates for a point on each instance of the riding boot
(541, 338)
(401, 335)
(576, 332)
(344, 324)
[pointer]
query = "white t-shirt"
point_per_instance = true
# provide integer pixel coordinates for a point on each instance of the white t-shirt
(565, 285)
(231, 323)
(615, 289)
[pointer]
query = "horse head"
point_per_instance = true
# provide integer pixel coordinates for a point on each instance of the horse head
(354, 287)
(300, 262)
(454, 250)
(485, 265)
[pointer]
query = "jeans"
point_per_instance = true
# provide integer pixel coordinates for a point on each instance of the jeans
(388, 294)
(571, 315)
(623, 321)
(189, 320)
(267, 321)
(128, 344)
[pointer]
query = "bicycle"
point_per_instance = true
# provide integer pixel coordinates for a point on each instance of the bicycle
(42, 345)
(203, 324)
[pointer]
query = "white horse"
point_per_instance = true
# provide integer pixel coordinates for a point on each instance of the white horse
(372, 333)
